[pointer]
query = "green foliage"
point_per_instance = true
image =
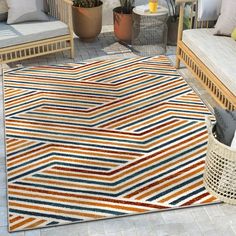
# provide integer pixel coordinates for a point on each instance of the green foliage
(86, 3)
(127, 6)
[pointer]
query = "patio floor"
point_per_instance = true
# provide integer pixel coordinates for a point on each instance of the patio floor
(208, 220)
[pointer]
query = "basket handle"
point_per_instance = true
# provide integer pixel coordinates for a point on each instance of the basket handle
(208, 124)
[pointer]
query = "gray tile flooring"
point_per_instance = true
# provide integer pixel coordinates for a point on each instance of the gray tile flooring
(208, 220)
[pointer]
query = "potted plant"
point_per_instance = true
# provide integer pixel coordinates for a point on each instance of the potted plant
(87, 19)
(122, 17)
(172, 22)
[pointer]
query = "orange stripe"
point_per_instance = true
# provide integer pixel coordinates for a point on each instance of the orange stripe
(54, 210)
(15, 219)
(20, 224)
(182, 191)
(166, 184)
(63, 199)
(36, 224)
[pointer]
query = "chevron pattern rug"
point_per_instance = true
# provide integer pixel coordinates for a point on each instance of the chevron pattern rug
(103, 139)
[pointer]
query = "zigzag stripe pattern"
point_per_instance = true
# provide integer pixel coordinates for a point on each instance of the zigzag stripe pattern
(102, 139)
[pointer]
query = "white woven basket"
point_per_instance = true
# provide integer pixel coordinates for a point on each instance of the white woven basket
(220, 169)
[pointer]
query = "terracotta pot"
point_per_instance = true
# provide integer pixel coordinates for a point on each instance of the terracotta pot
(87, 22)
(172, 32)
(122, 25)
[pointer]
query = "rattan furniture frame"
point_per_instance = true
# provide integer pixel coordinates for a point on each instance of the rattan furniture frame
(207, 77)
(61, 10)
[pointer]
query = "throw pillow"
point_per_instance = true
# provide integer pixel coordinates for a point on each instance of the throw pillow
(209, 10)
(233, 35)
(227, 19)
(233, 144)
(225, 125)
(3, 10)
(25, 10)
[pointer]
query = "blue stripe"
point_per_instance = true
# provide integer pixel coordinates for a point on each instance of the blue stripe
(50, 164)
(123, 180)
(65, 91)
(188, 195)
(31, 213)
(25, 149)
(53, 223)
(176, 187)
(134, 110)
(65, 206)
(18, 96)
(48, 102)
(90, 137)
(106, 147)
(66, 155)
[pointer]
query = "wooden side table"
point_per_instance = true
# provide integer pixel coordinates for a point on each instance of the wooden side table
(149, 35)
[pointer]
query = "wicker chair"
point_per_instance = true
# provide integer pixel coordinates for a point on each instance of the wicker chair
(59, 9)
(221, 91)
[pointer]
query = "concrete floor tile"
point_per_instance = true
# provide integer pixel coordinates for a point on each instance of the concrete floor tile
(228, 209)
(3, 168)
(129, 232)
(140, 221)
(96, 227)
(171, 229)
(3, 216)
(205, 226)
(119, 233)
(65, 230)
(141, 231)
(214, 211)
(82, 229)
(3, 180)
(177, 216)
(155, 218)
(192, 228)
(33, 233)
(4, 232)
(3, 197)
(116, 225)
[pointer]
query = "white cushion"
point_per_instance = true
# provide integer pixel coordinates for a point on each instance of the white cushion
(29, 32)
(209, 10)
(25, 10)
(218, 53)
(3, 10)
(233, 144)
(227, 19)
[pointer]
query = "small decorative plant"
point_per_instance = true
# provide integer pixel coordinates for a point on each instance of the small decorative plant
(127, 6)
(86, 3)
(172, 10)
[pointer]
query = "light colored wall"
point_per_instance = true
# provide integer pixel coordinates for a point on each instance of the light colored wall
(108, 6)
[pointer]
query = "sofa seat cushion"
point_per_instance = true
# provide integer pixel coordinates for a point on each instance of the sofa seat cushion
(218, 53)
(31, 31)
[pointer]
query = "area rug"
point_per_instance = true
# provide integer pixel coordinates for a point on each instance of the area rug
(103, 139)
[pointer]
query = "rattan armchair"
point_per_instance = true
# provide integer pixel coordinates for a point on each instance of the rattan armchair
(219, 91)
(59, 9)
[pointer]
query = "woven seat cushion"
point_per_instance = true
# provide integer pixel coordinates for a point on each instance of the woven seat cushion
(30, 32)
(218, 53)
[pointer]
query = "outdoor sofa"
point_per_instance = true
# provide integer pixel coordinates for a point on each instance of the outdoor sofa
(211, 58)
(29, 39)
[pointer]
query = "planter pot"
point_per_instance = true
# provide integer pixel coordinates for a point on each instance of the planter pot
(122, 25)
(172, 32)
(87, 22)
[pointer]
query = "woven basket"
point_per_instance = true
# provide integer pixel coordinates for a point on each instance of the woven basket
(220, 168)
